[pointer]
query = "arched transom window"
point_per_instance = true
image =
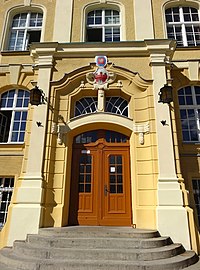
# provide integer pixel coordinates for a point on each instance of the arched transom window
(25, 29)
(13, 114)
(183, 24)
(115, 105)
(103, 25)
(189, 104)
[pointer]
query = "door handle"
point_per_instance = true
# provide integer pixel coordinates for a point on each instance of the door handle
(106, 190)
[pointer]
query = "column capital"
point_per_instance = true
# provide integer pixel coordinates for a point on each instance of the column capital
(160, 51)
(43, 54)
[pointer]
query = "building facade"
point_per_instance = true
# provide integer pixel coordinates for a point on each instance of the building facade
(102, 147)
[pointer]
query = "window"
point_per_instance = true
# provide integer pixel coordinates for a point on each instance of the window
(109, 136)
(25, 29)
(196, 192)
(117, 105)
(103, 25)
(13, 114)
(6, 190)
(183, 24)
(189, 101)
(86, 105)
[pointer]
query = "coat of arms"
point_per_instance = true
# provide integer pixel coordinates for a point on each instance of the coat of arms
(101, 77)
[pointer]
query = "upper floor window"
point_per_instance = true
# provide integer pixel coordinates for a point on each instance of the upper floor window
(13, 114)
(25, 29)
(103, 25)
(189, 101)
(183, 24)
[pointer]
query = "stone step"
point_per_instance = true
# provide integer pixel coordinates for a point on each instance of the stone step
(25, 249)
(101, 231)
(96, 242)
(26, 263)
(96, 248)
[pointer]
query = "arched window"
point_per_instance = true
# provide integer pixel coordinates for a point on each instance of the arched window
(13, 114)
(189, 101)
(86, 105)
(115, 105)
(25, 29)
(103, 25)
(183, 24)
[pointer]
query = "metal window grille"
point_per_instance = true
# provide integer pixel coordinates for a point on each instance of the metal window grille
(183, 24)
(189, 101)
(6, 190)
(196, 193)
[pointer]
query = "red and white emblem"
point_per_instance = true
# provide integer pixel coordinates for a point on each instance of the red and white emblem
(101, 77)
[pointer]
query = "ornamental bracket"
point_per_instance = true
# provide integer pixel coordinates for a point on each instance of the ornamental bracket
(60, 130)
(141, 129)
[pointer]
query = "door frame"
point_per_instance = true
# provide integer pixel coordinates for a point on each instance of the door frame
(94, 147)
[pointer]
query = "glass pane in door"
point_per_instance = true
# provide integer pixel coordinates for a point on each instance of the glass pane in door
(115, 174)
(85, 170)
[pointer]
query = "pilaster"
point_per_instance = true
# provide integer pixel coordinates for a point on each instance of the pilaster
(27, 204)
(143, 19)
(63, 21)
(171, 215)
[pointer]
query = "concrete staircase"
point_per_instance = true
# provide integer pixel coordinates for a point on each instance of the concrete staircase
(86, 248)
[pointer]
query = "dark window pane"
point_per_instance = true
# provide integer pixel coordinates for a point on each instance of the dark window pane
(119, 189)
(112, 178)
(87, 188)
(119, 159)
(112, 159)
(181, 100)
(112, 189)
(119, 169)
(94, 35)
(88, 178)
(81, 187)
(81, 178)
(119, 179)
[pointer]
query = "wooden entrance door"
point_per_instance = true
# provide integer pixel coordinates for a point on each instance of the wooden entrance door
(100, 186)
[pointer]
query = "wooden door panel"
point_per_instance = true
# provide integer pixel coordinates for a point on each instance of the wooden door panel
(83, 189)
(116, 203)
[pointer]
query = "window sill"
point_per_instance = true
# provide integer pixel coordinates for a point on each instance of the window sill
(5, 53)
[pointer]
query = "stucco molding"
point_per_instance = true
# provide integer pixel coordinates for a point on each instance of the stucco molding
(61, 129)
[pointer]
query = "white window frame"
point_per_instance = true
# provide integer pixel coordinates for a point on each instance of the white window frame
(194, 107)
(103, 25)
(182, 23)
(26, 28)
(13, 110)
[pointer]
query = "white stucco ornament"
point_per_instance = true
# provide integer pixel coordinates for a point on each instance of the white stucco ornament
(101, 77)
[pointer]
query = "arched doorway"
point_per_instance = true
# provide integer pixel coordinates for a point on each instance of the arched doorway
(100, 184)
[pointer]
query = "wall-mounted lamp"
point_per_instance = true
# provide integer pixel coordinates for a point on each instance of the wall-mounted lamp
(165, 94)
(37, 96)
